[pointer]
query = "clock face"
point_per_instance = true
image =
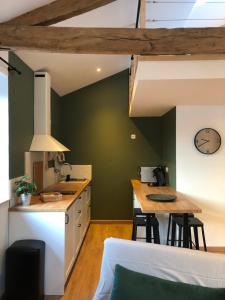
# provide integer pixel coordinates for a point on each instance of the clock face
(207, 141)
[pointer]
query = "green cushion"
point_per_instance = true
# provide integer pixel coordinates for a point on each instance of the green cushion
(130, 285)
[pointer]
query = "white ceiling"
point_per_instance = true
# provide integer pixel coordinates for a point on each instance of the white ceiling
(70, 72)
(162, 85)
(156, 97)
(12, 8)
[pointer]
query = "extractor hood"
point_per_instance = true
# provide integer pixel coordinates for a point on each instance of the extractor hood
(42, 140)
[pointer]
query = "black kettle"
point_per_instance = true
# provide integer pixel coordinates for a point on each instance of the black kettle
(160, 175)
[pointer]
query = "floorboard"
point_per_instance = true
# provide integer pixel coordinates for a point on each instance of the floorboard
(85, 275)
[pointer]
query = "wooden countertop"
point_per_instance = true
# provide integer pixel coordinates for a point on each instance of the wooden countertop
(182, 204)
(58, 206)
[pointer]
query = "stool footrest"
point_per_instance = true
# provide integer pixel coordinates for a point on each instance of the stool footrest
(193, 221)
(151, 224)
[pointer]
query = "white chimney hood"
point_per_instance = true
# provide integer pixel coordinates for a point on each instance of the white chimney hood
(42, 140)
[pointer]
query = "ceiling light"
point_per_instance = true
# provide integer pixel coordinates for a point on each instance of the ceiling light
(99, 70)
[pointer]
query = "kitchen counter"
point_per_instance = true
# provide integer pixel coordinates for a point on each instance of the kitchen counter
(62, 225)
(58, 206)
(182, 204)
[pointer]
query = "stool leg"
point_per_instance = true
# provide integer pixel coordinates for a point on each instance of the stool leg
(156, 234)
(134, 232)
(173, 235)
(180, 236)
(204, 241)
(185, 231)
(168, 230)
(148, 229)
(196, 238)
(190, 238)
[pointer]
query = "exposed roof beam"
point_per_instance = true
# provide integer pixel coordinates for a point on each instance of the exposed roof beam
(57, 11)
(114, 40)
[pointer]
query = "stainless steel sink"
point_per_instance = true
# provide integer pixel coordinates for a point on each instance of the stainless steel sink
(65, 192)
(73, 180)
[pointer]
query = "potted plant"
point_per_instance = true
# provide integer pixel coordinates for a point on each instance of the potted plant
(24, 189)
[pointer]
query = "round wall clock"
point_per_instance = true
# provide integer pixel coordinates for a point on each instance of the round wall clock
(207, 141)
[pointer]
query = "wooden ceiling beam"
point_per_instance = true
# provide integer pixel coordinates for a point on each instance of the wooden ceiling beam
(114, 40)
(57, 11)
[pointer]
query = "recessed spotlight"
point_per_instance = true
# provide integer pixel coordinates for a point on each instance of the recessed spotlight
(99, 70)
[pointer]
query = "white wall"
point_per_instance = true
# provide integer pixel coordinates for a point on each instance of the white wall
(202, 176)
(3, 206)
(4, 137)
(3, 67)
(3, 240)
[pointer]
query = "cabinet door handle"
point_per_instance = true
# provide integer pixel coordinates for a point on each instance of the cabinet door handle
(79, 197)
(79, 225)
(79, 211)
(67, 219)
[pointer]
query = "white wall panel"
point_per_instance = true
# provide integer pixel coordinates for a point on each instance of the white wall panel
(4, 177)
(3, 241)
(203, 176)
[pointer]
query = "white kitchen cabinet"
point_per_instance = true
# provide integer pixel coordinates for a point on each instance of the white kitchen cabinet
(87, 207)
(69, 239)
(63, 233)
(77, 236)
(78, 223)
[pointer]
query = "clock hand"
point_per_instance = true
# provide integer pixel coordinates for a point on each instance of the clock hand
(203, 143)
(205, 140)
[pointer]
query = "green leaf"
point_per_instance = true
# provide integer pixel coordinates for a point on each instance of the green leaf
(24, 186)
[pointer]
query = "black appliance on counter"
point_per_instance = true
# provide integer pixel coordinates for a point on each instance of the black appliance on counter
(160, 175)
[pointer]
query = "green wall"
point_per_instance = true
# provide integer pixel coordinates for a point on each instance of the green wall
(169, 144)
(94, 123)
(97, 129)
(21, 114)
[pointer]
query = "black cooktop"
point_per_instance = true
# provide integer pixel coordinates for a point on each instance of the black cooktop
(68, 178)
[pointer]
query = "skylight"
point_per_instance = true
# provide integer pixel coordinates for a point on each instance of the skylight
(185, 13)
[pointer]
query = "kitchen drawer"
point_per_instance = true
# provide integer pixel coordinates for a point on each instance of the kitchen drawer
(78, 208)
(77, 236)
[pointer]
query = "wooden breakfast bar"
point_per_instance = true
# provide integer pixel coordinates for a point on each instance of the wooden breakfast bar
(182, 204)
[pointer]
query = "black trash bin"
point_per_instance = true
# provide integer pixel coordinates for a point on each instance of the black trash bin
(25, 262)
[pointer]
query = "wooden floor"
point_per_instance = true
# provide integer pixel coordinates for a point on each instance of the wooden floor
(85, 275)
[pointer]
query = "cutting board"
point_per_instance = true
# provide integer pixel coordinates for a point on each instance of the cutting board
(38, 175)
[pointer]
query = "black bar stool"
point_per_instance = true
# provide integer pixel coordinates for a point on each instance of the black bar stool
(194, 223)
(151, 224)
(138, 212)
(169, 224)
(138, 220)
